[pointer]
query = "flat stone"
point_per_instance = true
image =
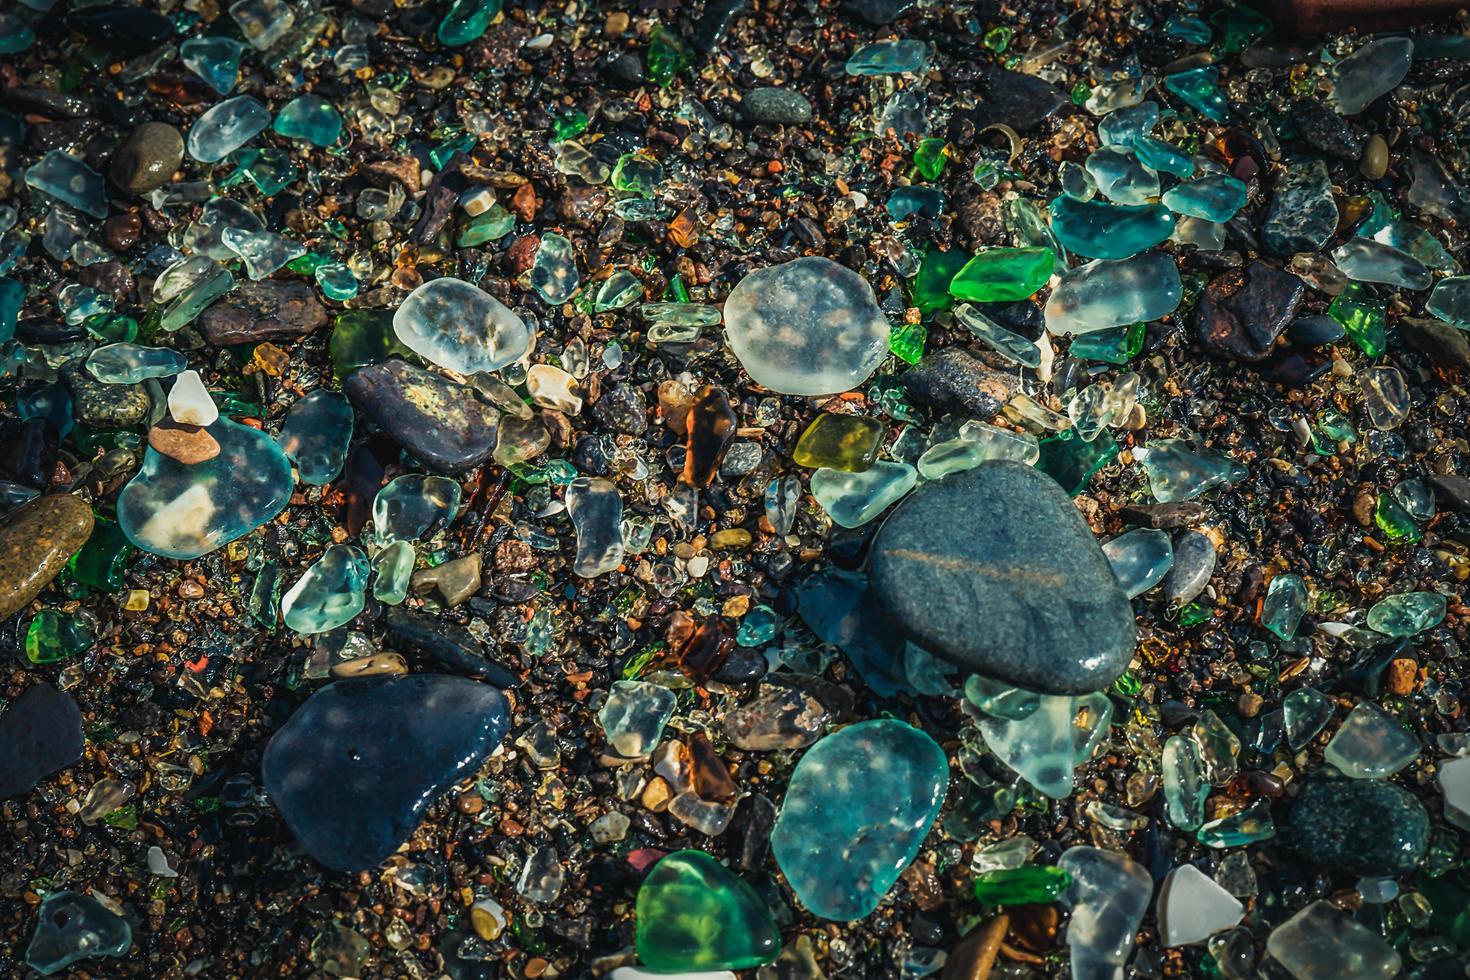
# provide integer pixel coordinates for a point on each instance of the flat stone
(264, 310)
(1325, 130)
(40, 733)
(951, 380)
(1446, 346)
(776, 106)
(995, 570)
(106, 406)
(36, 540)
(1243, 311)
(147, 159)
(1016, 99)
(354, 769)
(441, 423)
(1362, 826)
(188, 444)
(1180, 513)
(1452, 489)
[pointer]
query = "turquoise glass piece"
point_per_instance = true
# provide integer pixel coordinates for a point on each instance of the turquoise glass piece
(1140, 559)
(1120, 177)
(52, 402)
(1369, 260)
(195, 298)
(1122, 126)
(270, 170)
(1178, 473)
(490, 226)
(336, 281)
(467, 21)
(1249, 826)
(316, 434)
(393, 571)
(837, 606)
(310, 118)
(214, 59)
(1407, 613)
(71, 927)
(1187, 28)
(1104, 294)
(414, 507)
(1213, 197)
(225, 128)
(127, 364)
(180, 511)
(330, 593)
(905, 202)
(12, 299)
(1304, 714)
(1100, 230)
(1199, 88)
(868, 792)
(1166, 158)
(616, 292)
(854, 499)
(1072, 461)
(1285, 604)
(1049, 742)
(69, 181)
(15, 34)
(890, 57)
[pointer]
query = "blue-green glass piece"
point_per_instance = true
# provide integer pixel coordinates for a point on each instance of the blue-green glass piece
(467, 21)
(127, 364)
(1178, 473)
(1199, 88)
(1120, 177)
(1072, 461)
(71, 927)
(1213, 197)
(1115, 345)
(876, 822)
(1166, 158)
(270, 170)
(311, 118)
(1249, 826)
(414, 507)
(392, 570)
(1187, 28)
(336, 281)
(890, 57)
(1284, 605)
(1100, 230)
(214, 59)
(315, 436)
(52, 402)
(330, 593)
(12, 298)
(1122, 126)
(15, 34)
(905, 202)
(69, 181)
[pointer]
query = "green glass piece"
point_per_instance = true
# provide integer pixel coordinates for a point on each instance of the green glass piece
(1238, 26)
(694, 914)
(1101, 230)
(1249, 826)
(841, 442)
(667, 55)
(1304, 713)
(997, 39)
(1002, 275)
(489, 226)
(929, 157)
(936, 271)
(569, 125)
(310, 118)
(1284, 606)
(1072, 461)
(441, 154)
(1193, 614)
(1407, 613)
(54, 635)
(100, 563)
(906, 341)
(467, 21)
(1079, 93)
(115, 328)
(1163, 157)
(1199, 88)
(1115, 345)
(1396, 523)
(1031, 885)
(1362, 317)
(637, 174)
(362, 337)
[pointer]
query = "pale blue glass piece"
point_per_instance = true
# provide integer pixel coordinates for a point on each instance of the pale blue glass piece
(71, 927)
(69, 181)
(205, 237)
(1099, 230)
(869, 792)
(1199, 88)
(316, 434)
(180, 511)
(1140, 559)
(554, 275)
(1371, 745)
(1407, 613)
(1368, 260)
(1304, 714)
(127, 364)
(1108, 897)
(414, 507)
(596, 511)
(1185, 787)
(226, 127)
(1450, 301)
(1001, 700)
(330, 593)
(1284, 605)
(1373, 70)
(457, 325)
(890, 58)
(1213, 197)
(854, 499)
(264, 252)
(1178, 473)
(215, 59)
(1166, 158)
(634, 716)
(1419, 243)
(926, 673)
(310, 118)
(1122, 126)
(1049, 742)
(196, 298)
(617, 291)
(1077, 182)
(1010, 345)
(336, 281)
(1104, 294)
(393, 571)
(905, 202)
(1121, 178)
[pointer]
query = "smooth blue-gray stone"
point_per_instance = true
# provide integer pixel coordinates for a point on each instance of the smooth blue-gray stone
(994, 569)
(354, 769)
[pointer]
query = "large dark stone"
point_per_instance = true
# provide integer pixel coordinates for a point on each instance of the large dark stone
(357, 765)
(1016, 99)
(879, 11)
(1444, 345)
(36, 540)
(951, 380)
(264, 310)
(1320, 127)
(1361, 826)
(1243, 311)
(441, 423)
(40, 733)
(994, 569)
(122, 30)
(102, 405)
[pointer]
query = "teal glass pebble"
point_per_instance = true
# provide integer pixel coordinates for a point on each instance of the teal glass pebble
(467, 21)
(889, 57)
(15, 34)
(1407, 613)
(270, 170)
(905, 202)
(1213, 197)
(1120, 177)
(1199, 88)
(858, 807)
(1100, 230)
(758, 627)
(214, 59)
(336, 281)
(1163, 157)
(1187, 28)
(392, 570)
(489, 226)
(316, 434)
(330, 593)
(1122, 126)
(310, 118)
(12, 298)
(1248, 826)
(69, 181)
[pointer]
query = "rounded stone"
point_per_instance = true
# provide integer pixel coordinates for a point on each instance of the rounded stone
(806, 327)
(1361, 826)
(456, 325)
(36, 540)
(776, 106)
(994, 569)
(147, 159)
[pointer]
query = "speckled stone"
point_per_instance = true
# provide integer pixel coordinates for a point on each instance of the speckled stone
(1243, 311)
(1362, 826)
(40, 733)
(264, 310)
(108, 406)
(776, 106)
(35, 542)
(995, 570)
(950, 380)
(441, 423)
(147, 159)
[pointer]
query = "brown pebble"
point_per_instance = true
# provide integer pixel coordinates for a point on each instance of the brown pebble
(122, 231)
(1374, 162)
(374, 665)
(522, 254)
(1402, 676)
(189, 444)
(1035, 926)
(974, 957)
(36, 540)
(523, 202)
(1363, 506)
(471, 803)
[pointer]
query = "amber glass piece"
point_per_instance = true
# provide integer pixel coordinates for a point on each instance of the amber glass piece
(709, 430)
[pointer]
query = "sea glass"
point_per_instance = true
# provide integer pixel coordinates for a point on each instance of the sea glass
(854, 499)
(1322, 942)
(1000, 275)
(330, 593)
(70, 181)
(694, 914)
(634, 715)
(596, 511)
(1178, 473)
(1120, 177)
(414, 507)
(1371, 745)
(71, 927)
(264, 252)
(1450, 301)
(125, 364)
(890, 57)
(1199, 88)
(226, 127)
(1101, 230)
(1213, 197)
(215, 59)
(456, 325)
(1048, 743)
(554, 274)
(1140, 559)
(1407, 613)
(1010, 345)
(316, 434)
(840, 442)
(1108, 897)
(1369, 72)
(1105, 294)
(310, 118)
(1367, 260)
(1284, 605)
